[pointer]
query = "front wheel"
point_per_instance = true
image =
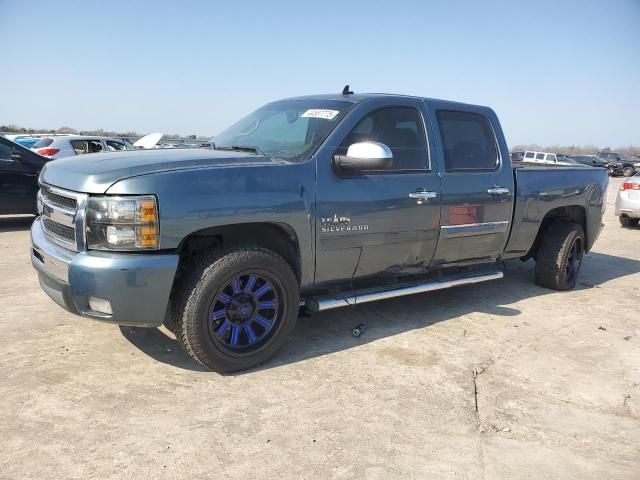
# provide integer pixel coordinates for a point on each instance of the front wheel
(236, 308)
(560, 256)
(628, 171)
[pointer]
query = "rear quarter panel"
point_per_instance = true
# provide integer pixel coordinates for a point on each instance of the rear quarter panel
(542, 189)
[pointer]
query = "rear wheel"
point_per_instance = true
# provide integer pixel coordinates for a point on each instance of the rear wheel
(628, 222)
(560, 256)
(236, 308)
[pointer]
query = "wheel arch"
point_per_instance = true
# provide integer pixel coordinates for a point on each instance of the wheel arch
(569, 213)
(277, 237)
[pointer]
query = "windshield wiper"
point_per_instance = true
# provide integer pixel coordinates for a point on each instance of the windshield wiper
(241, 148)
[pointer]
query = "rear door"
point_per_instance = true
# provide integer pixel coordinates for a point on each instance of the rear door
(477, 185)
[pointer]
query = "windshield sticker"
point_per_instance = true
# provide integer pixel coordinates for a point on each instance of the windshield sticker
(320, 113)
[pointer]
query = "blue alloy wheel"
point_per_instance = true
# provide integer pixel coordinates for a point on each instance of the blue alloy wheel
(574, 260)
(245, 311)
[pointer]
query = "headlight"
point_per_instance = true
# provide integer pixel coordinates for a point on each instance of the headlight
(122, 223)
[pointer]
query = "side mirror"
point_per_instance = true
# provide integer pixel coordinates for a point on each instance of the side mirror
(365, 156)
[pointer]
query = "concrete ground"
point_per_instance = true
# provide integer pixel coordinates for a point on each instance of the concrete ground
(504, 380)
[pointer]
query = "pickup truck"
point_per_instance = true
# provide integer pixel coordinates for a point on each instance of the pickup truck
(316, 202)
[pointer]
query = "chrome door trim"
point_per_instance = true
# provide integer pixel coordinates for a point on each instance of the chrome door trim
(473, 229)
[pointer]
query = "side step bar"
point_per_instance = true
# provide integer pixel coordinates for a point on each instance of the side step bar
(319, 304)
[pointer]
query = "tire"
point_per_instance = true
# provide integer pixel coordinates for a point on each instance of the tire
(628, 171)
(225, 320)
(628, 222)
(560, 256)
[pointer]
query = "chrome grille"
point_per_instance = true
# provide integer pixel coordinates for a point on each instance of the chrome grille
(58, 200)
(61, 211)
(62, 231)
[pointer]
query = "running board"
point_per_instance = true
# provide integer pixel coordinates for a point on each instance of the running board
(319, 304)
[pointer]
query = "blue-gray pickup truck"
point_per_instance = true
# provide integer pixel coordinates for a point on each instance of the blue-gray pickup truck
(322, 201)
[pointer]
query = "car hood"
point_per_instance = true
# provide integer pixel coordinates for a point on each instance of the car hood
(95, 173)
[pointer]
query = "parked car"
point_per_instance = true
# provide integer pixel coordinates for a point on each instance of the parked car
(591, 160)
(19, 170)
(619, 163)
(72, 145)
(327, 201)
(628, 202)
(561, 158)
(517, 156)
(544, 157)
(26, 140)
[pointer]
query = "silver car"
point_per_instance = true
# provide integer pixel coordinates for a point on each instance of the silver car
(628, 202)
(69, 145)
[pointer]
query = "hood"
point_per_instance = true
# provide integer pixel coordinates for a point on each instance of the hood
(148, 141)
(95, 173)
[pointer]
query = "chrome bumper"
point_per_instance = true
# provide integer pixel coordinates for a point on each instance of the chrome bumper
(137, 286)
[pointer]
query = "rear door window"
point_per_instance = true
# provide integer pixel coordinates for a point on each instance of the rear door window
(539, 156)
(95, 146)
(80, 146)
(114, 146)
(468, 141)
(551, 158)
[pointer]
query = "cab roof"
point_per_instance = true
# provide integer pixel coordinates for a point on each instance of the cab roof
(361, 97)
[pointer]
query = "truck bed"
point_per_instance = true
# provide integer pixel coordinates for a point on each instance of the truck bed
(579, 191)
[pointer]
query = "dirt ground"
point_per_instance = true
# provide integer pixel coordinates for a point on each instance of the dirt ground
(503, 380)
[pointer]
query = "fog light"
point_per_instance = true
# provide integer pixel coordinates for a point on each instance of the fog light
(100, 305)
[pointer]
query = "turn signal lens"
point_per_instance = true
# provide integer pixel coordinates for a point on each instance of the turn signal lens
(147, 211)
(148, 237)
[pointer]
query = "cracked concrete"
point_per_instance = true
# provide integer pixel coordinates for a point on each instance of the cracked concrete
(503, 380)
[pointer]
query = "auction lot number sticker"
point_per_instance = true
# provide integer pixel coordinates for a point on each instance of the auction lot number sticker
(320, 113)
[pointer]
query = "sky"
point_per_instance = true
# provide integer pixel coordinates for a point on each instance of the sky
(556, 72)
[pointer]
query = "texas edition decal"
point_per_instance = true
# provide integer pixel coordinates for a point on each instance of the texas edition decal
(340, 224)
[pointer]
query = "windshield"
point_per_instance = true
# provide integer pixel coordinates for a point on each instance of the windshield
(288, 129)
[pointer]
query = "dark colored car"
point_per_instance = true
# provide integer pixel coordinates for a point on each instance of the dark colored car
(619, 163)
(517, 156)
(328, 201)
(591, 160)
(19, 170)
(564, 158)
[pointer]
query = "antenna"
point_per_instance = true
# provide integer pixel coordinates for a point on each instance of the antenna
(346, 91)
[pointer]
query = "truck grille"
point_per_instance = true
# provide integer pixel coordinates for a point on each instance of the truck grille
(59, 209)
(58, 200)
(68, 234)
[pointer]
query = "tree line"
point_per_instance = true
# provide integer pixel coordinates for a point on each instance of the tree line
(99, 132)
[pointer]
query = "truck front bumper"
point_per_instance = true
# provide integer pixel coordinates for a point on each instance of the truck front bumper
(136, 286)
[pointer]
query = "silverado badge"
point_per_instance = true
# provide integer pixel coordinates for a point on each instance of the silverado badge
(340, 224)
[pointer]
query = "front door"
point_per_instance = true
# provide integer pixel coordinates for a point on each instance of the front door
(378, 223)
(477, 187)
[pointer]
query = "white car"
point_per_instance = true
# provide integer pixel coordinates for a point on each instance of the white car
(542, 157)
(628, 202)
(69, 145)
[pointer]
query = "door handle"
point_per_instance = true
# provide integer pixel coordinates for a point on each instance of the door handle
(495, 190)
(422, 195)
